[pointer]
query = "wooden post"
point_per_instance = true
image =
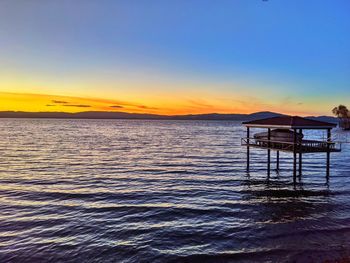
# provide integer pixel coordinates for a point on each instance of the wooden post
(268, 152)
(295, 156)
(300, 163)
(329, 139)
(278, 161)
(300, 155)
(248, 150)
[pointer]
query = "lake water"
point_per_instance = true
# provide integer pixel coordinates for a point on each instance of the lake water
(162, 191)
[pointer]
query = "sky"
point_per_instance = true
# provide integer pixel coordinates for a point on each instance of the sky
(175, 57)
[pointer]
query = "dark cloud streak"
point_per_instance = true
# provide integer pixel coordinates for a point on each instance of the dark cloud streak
(147, 108)
(116, 106)
(59, 102)
(77, 105)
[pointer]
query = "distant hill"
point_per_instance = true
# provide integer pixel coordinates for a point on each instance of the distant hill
(226, 117)
(325, 118)
(262, 115)
(124, 115)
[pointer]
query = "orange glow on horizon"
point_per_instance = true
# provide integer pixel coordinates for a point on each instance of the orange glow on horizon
(54, 103)
(170, 105)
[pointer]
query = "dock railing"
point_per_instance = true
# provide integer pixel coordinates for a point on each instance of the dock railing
(304, 146)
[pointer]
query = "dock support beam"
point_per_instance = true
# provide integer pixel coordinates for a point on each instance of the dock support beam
(295, 156)
(278, 161)
(329, 139)
(248, 150)
(268, 152)
(300, 163)
(300, 157)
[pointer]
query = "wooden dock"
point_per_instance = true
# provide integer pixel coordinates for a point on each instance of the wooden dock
(293, 125)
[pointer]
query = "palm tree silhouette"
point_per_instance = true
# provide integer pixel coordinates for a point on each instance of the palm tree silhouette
(343, 114)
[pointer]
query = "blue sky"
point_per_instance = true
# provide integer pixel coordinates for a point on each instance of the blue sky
(294, 53)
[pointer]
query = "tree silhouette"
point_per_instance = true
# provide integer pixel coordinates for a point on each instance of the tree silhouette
(343, 114)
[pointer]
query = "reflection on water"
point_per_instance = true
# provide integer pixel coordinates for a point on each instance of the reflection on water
(162, 191)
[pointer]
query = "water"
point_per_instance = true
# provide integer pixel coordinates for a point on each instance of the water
(162, 191)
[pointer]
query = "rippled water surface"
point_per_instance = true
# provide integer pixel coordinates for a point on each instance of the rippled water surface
(162, 191)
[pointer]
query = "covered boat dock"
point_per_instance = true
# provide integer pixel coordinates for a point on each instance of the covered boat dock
(285, 134)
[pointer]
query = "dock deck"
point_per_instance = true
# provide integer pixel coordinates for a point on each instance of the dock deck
(305, 146)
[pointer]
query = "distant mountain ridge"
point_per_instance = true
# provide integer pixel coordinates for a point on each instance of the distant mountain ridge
(143, 116)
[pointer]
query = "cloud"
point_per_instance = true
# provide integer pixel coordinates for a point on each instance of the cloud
(200, 103)
(77, 105)
(50, 105)
(59, 101)
(146, 107)
(116, 106)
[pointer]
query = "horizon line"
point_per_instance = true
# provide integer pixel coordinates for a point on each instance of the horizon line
(154, 114)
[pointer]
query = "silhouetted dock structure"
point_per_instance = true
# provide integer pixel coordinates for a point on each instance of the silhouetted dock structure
(286, 134)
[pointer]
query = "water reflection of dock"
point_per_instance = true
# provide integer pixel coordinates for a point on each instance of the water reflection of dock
(286, 134)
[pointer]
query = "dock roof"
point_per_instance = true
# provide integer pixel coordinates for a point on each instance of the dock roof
(289, 122)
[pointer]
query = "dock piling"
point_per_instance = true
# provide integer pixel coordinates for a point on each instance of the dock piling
(328, 152)
(248, 150)
(268, 152)
(300, 156)
(295, 156)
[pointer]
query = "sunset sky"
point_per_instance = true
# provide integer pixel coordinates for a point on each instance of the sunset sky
(175, 57)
